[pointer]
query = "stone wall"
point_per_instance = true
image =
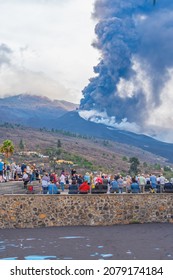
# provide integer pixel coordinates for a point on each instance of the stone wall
(28, 211)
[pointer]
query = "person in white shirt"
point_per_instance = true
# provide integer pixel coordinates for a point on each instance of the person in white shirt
(161, 181)
(62, 181)
(141, 182)
(25, 179)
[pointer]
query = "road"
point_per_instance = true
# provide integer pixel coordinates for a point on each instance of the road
(119, 242)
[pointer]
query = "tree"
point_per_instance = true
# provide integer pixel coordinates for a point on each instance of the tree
(124, 158)
(21, 145)
(59, 143)
(134, 165)
(7, 148)
(53, 154)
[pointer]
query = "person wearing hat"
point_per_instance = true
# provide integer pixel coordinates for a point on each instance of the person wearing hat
(87, 177)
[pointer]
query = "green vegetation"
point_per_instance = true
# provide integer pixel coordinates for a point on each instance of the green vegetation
(168, 172)
(21, 145)
(7, 148)
(59, 144)
(106, 143)
(157, 166)
(134, 163)
(80, 161)
(124, 158)
(10, 125)
(87, 153)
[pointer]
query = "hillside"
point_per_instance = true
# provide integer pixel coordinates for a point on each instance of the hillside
(41, 112)
(94, 154)
(72, 122)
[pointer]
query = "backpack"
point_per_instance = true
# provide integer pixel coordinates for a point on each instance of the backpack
(45, 183)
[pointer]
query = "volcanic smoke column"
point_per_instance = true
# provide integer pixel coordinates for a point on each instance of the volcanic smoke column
(135, 42)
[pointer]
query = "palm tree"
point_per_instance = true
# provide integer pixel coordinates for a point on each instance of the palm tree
(7, 148)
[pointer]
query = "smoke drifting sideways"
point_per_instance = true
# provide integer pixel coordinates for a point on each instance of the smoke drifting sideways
(132, 84)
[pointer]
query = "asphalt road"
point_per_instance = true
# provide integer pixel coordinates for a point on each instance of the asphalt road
(119, 242)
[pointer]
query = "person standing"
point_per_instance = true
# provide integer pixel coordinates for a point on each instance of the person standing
(120, 182)
(1, 170)
(23, 167)
(13, 170)
(128, 183)
(8, 172)
(141, 182)
(25, 179)
(153, 181)
(62, 181)
(45, 182)
(161, 181)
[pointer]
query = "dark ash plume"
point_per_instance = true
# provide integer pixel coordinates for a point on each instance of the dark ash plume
(135, 41)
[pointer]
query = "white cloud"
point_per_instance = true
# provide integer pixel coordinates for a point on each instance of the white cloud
(163, 113)
(103, 118)
(52, 38)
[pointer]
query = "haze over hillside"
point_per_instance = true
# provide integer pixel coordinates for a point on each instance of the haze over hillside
(32, 110)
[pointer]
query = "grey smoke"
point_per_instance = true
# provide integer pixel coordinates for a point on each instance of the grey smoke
(128, 33)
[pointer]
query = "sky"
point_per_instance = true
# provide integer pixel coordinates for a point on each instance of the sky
(45, 47)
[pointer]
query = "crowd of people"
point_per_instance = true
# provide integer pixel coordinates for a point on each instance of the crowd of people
(13, 171)
(78, 183)
(53, 183)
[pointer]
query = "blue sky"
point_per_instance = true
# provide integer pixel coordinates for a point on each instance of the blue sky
(45, 47)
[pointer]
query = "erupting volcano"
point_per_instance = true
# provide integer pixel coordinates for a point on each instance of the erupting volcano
(133, 82)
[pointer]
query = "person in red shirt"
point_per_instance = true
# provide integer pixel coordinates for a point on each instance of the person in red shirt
(84, 187)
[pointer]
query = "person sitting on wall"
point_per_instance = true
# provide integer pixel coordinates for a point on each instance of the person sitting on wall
(148, 187)
(84, 187)
(53, 188)
(114, 186)
(135, 186)
(73, 187)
